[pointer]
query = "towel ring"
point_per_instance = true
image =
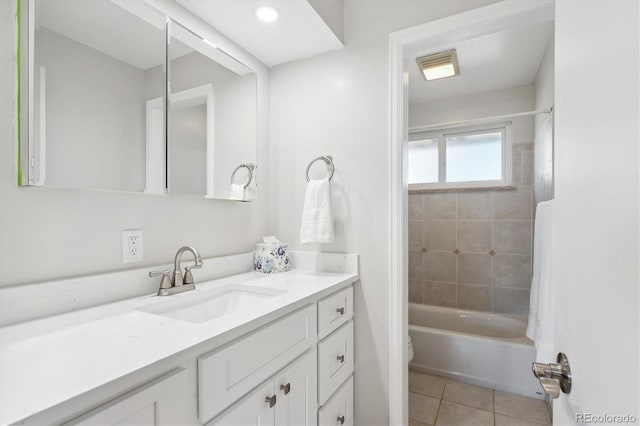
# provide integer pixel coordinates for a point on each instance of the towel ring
(328, 161)
(248, 166)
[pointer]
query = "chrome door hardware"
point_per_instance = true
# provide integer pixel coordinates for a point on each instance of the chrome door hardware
(271, 400)
(554, 377)
(340, 358)
(341, 420)
(286, 388)
(340, 311)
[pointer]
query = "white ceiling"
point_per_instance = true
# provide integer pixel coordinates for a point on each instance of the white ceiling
(126, 30)
(492, 62)
(92, 24)
(298, 33)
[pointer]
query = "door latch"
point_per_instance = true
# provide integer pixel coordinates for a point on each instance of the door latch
(554, 377)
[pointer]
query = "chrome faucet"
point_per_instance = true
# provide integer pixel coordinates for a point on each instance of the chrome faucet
(175, 283)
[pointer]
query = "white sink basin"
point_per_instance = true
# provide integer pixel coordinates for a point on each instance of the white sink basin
(207, 305)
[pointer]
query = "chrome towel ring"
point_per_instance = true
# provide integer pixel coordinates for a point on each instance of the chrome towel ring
(249, 166)
(328, 161)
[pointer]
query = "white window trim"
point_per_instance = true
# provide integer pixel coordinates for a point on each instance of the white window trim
(440, 134)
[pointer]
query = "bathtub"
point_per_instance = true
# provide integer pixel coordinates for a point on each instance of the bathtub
(480, 348)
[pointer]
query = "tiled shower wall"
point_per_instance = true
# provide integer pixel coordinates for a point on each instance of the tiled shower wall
(472, 249)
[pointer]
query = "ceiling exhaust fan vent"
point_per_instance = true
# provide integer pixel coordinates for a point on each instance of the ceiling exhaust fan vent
(439, 65)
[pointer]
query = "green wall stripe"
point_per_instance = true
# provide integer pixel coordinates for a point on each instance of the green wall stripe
(18, 68)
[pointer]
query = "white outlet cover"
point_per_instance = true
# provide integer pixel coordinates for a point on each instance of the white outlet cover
(132, 246)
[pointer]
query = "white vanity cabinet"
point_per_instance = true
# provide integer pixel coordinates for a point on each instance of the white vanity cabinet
(322, 377)
(335, 359)
(295, 369)
(161, 402)
(289, 399)
(229, 373)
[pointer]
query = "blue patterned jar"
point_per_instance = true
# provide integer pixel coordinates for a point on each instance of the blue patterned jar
(271, 258)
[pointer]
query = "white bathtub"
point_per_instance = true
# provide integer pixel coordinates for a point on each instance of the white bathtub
(480, 348)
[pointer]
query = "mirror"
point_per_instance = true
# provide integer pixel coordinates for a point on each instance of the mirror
(92, 65)
(93, 89)
(212, 121)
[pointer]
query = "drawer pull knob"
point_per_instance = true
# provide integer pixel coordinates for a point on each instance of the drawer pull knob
(340, 358)
(286, 388)
(271, 400)
(341, 420)
(340, 311)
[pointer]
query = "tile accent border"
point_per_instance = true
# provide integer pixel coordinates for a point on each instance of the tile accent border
(479, 189)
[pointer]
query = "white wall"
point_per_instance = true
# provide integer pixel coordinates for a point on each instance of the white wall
(596, 207)
(234, 109)
(235, 136)
(188, 150)
(544, 82)
(480, 105)
(95, 116)
(337, 104)
(52, 233)
(543, 142)
(332, 13)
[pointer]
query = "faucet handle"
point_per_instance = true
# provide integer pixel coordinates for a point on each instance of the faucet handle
(188, 276)
(166, 279)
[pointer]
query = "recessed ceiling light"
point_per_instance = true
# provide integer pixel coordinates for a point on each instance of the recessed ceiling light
(267, 13)
(439, 65)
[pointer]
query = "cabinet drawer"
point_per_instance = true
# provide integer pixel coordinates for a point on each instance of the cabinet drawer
(339, 409)
(335, 361)
(335, 310)
(162, 401)
(231, 372)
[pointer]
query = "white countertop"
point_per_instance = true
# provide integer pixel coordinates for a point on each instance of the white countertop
(52, 360)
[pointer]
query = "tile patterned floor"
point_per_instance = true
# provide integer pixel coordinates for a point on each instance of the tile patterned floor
(442, 402)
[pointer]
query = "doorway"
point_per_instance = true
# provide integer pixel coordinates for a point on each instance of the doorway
(431, 142)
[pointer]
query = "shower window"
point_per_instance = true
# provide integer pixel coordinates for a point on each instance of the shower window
(454, 158)
(423, 161)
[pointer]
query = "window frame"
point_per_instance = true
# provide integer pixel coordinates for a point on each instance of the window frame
(442, 133)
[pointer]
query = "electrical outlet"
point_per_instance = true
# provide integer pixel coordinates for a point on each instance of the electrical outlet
(132, 245)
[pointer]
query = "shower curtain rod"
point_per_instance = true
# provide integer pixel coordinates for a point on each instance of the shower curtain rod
(478, 120)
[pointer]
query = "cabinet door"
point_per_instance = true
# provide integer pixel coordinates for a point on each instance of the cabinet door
(297, 387)
(252, 410)
(162, 401)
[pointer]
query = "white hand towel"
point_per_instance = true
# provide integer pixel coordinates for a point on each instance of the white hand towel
(540, 326)
(237, 192)
(251, 191)
(317, 221)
